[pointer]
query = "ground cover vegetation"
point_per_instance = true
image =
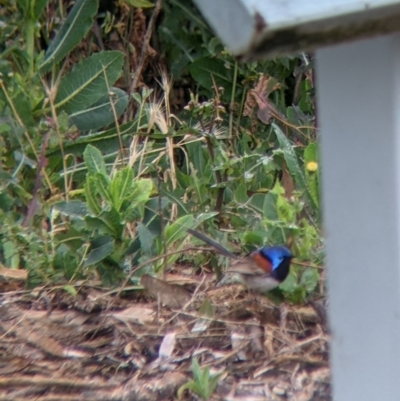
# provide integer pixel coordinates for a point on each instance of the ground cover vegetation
(125, 123)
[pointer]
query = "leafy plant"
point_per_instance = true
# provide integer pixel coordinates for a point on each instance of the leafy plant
(105, 186)
(203, 384)
(111, 203)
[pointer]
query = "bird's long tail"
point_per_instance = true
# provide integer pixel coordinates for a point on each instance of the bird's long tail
(209, 241)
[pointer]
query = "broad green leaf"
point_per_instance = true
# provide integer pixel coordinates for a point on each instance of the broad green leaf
(103, 187)
(21, 105)
(311, 153)
(24, 6)
(205, 216)
(74, 208)
(113, 220)
(198, 184)
(11, 254)
(241, 193)
(92, 199)
(107, 222)
(94, 160)
(140, 191)
(6, 201)
(178, 229)
(72, 239)
(175, 197)
(98, 254)
(101, 114)
(309, 279)
(265, 204)
(197, 156)
(152, 212)
(37, 8)
(146, 239)
(270, 206)
(257, 202)
(132, 213)
(106, 141)
(89, 81)
(203, 69)
(255, 238)
(73, 30)
(121, 187)
(293, 164)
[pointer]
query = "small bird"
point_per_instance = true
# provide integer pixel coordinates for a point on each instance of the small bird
(262, 270)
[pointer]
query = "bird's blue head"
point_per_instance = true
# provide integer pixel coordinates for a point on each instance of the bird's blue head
(276, 255)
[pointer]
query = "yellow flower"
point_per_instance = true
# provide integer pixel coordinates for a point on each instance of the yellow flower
(312, 167)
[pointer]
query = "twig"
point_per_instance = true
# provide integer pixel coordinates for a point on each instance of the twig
(146, 41)
(42, 163)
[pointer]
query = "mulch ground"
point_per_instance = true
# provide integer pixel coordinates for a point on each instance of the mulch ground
(97, 346)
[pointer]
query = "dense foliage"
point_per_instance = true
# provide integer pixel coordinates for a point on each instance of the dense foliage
(115, 140)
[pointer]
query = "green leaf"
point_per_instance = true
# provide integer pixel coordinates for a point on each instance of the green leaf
(11, 254)
(107, 141)
(152, 211)
(107, 222)
(22, 107)
(140, 192)
(178, 229)
(309, 279)
(89, 81)
(190, 385)
(121, 187)
(257, 202)
(146, 239)
(6, 201)
(201, 217)
(99, 253)
(24, 6)
(94, 161)
(73, 208)
(197, 372)
(73, 30)
(38, 7)
(311, 152)
(139, 3)
(265, 205)
(213, 384)
(290, 284)
(293, 164)
(241, 193)
(92, 200)
(103, 187)
(203, 69)
(101, 114)
(70, 289)
(175, 197)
